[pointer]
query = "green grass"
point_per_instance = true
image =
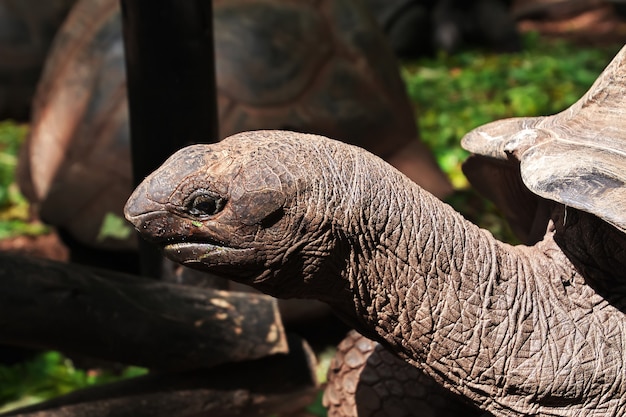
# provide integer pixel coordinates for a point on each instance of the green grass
(451, 94)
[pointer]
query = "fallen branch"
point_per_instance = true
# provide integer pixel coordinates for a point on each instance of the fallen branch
(132, 320)
(273, 385)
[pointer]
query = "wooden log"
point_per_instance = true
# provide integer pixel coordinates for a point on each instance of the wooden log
(132, 320)
(273, 385)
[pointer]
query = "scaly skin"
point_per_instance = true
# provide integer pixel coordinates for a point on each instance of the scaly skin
(517, 330)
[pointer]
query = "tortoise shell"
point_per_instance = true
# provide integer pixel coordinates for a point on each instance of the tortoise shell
(304, 66)
(576, 158)
(319, 67)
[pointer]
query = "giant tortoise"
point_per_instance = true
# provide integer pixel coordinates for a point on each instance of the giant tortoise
(521, 330)
(281, 64)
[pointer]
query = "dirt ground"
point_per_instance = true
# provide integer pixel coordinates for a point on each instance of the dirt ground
(47, 246)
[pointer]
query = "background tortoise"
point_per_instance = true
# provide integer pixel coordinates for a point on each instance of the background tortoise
(518, 330)
(319, 67)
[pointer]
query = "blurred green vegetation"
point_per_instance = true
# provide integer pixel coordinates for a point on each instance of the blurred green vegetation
(14, 210)
(48, 375)
(451, 94)
(454, 94)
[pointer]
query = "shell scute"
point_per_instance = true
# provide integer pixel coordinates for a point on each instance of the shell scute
(277, 65)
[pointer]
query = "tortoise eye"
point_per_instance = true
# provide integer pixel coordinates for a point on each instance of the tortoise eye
(205, 204)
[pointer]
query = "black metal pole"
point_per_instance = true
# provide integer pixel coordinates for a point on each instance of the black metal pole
(171, 85)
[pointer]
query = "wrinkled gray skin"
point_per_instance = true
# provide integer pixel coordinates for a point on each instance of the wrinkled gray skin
(519, 330)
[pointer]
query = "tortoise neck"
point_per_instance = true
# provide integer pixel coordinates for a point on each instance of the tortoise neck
(472, 312)
(429, 276)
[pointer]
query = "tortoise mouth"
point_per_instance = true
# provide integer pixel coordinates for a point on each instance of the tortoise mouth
(207, 255)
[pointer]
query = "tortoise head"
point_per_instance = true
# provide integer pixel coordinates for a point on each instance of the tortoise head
(253, 208)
